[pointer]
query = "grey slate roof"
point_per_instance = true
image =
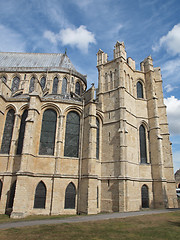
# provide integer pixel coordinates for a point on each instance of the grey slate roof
(35, 60)
(12, 61)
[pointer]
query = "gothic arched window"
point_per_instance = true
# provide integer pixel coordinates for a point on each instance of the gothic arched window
(1, 184)
(55, 85)
(40, 196)
(139, 90)
(8, 130)
(77, 88)
(48, 132)
(64, 86)
(15, 84)
(71, 148)
(31, 85)
(97, 139)
(43, 82)
(142, 138)
(145, 196)
(12, 195)
(70, 196)
(110, 75)
(21, 132)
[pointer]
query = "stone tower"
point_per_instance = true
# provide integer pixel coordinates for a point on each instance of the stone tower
(134, 112)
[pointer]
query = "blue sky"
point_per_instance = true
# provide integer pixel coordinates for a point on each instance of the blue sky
(147, 27)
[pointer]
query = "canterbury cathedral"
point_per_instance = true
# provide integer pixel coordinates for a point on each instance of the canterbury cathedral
(66, 149)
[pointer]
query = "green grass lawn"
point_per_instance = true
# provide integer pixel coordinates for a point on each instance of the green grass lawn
(5, 218)
(161, 226)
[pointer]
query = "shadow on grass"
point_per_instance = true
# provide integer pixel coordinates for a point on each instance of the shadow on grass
(177, 224)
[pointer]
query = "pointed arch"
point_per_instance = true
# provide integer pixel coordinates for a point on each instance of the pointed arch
(1, 185)
(70, 196)
(139, 90)
(64, 86)
(48, 132)
(142, 142)
(31, 85)
(8, 130)
(55, 86)
(71, 148)
(22, 132)
(12, 195)
(43, 82)
(78, 88)
(40, 195)
(145, 196)
(15, 84)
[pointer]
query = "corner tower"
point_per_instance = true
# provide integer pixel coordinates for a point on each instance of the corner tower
(136, 164)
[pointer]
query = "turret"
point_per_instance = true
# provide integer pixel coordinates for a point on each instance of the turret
(147, 64)
(119, 50)
(101, 57)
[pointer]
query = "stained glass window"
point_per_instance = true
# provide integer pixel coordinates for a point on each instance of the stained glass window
(97, 139)
(55, 85)
(40, 196)
(48, 133)
(64, 86)
(12, 195)
(31, 85)
(145, 196)
(15, 84)
(43, 82)
(8, 130)
(21, 132)
(71, 148)
(70, 196)
(77, 89)
(142, 137)
(139, 90)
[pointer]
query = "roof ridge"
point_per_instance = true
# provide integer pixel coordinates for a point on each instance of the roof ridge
(32, 53)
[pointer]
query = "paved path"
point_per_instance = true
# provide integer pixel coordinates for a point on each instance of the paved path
(86, 218)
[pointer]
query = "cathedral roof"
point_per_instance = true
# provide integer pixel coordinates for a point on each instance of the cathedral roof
(37, 62)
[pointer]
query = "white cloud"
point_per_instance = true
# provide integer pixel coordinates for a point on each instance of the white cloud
(75, 37)
(10, 40)
(50, 36)
(83, 4)
(169, 88)
(80, 37)
(173, 113)
(171, 67)
(171, 41)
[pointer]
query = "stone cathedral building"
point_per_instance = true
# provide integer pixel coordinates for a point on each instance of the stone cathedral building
(65, 149)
